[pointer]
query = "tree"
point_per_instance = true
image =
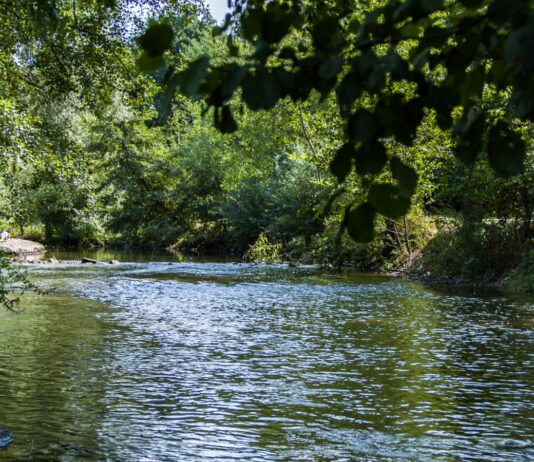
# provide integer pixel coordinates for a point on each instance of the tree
(391, 64)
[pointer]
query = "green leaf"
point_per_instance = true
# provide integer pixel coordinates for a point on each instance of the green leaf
(327, 210)
(164, 106)
(472, 85)
(518, 48)
(373, 68)
(288, 53)
(523, 99)
(157, 39)
(406, 9)
(191, 78)
(399, 119)
(411, 30)
(341, 164)
(251, 24)
(233, 49)
(442, 99)
(233, 81)
(285, 81)
(275, 22)
(330, 68)
(302, 84)
(506, 151)
(405, 176)
(146, 63)
(363, 126)
(397, 67)
(431, 5)
(371, 158)
(388, 200)
(499, 74)
(224, 121)
(470, 132)
(420, 59)
(325, 32)
(354, 25)
(261, 90)
(471, 3)
(407, 118)
(348, 91)
(360, 222)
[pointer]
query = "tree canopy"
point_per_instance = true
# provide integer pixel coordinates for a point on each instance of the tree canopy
(390, 64)
(292, 130)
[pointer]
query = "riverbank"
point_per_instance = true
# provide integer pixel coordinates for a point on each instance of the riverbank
(109, 257)
(518, 281)
(445, 260)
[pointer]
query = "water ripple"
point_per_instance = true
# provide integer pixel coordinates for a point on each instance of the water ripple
(197, 361)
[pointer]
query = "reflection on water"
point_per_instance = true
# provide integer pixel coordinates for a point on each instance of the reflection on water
(200, 361)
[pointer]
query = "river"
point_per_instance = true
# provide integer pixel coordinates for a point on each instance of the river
(167, 360)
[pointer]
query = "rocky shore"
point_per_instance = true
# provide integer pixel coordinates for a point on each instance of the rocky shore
(20, 247)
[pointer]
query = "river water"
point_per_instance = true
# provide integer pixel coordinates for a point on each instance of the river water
(197, 361)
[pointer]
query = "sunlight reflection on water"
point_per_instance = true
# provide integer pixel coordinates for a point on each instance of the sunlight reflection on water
(200, 361)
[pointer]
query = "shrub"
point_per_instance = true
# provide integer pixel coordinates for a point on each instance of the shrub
(479, 252)
(521, 281)
(265, 251)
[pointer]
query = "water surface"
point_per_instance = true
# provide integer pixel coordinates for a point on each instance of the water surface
(218, 361)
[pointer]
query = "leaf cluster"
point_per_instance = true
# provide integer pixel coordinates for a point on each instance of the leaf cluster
(448, 51)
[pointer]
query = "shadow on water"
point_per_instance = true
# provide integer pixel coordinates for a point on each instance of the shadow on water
(210, 361)
(46, 356)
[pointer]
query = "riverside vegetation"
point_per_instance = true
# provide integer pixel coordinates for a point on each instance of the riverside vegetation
(370, 134)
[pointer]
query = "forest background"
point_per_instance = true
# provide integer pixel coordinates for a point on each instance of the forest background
(95, 150)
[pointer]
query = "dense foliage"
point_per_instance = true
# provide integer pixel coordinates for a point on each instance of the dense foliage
(389, 64)
(407, 124)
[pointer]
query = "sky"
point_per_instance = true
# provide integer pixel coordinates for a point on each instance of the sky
(218, 8)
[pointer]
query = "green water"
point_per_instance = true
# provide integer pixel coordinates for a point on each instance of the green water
(217, 361)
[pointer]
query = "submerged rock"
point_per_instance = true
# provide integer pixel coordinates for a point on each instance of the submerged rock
(88, 260)
(114, 262)
(5, 437)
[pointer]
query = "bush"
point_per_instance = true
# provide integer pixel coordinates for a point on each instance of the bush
(283, 205)
(68, 215)
(480, 252)
(13, 283)
(521, 281)
(333, 248)
(264, 251)
(33, 232)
